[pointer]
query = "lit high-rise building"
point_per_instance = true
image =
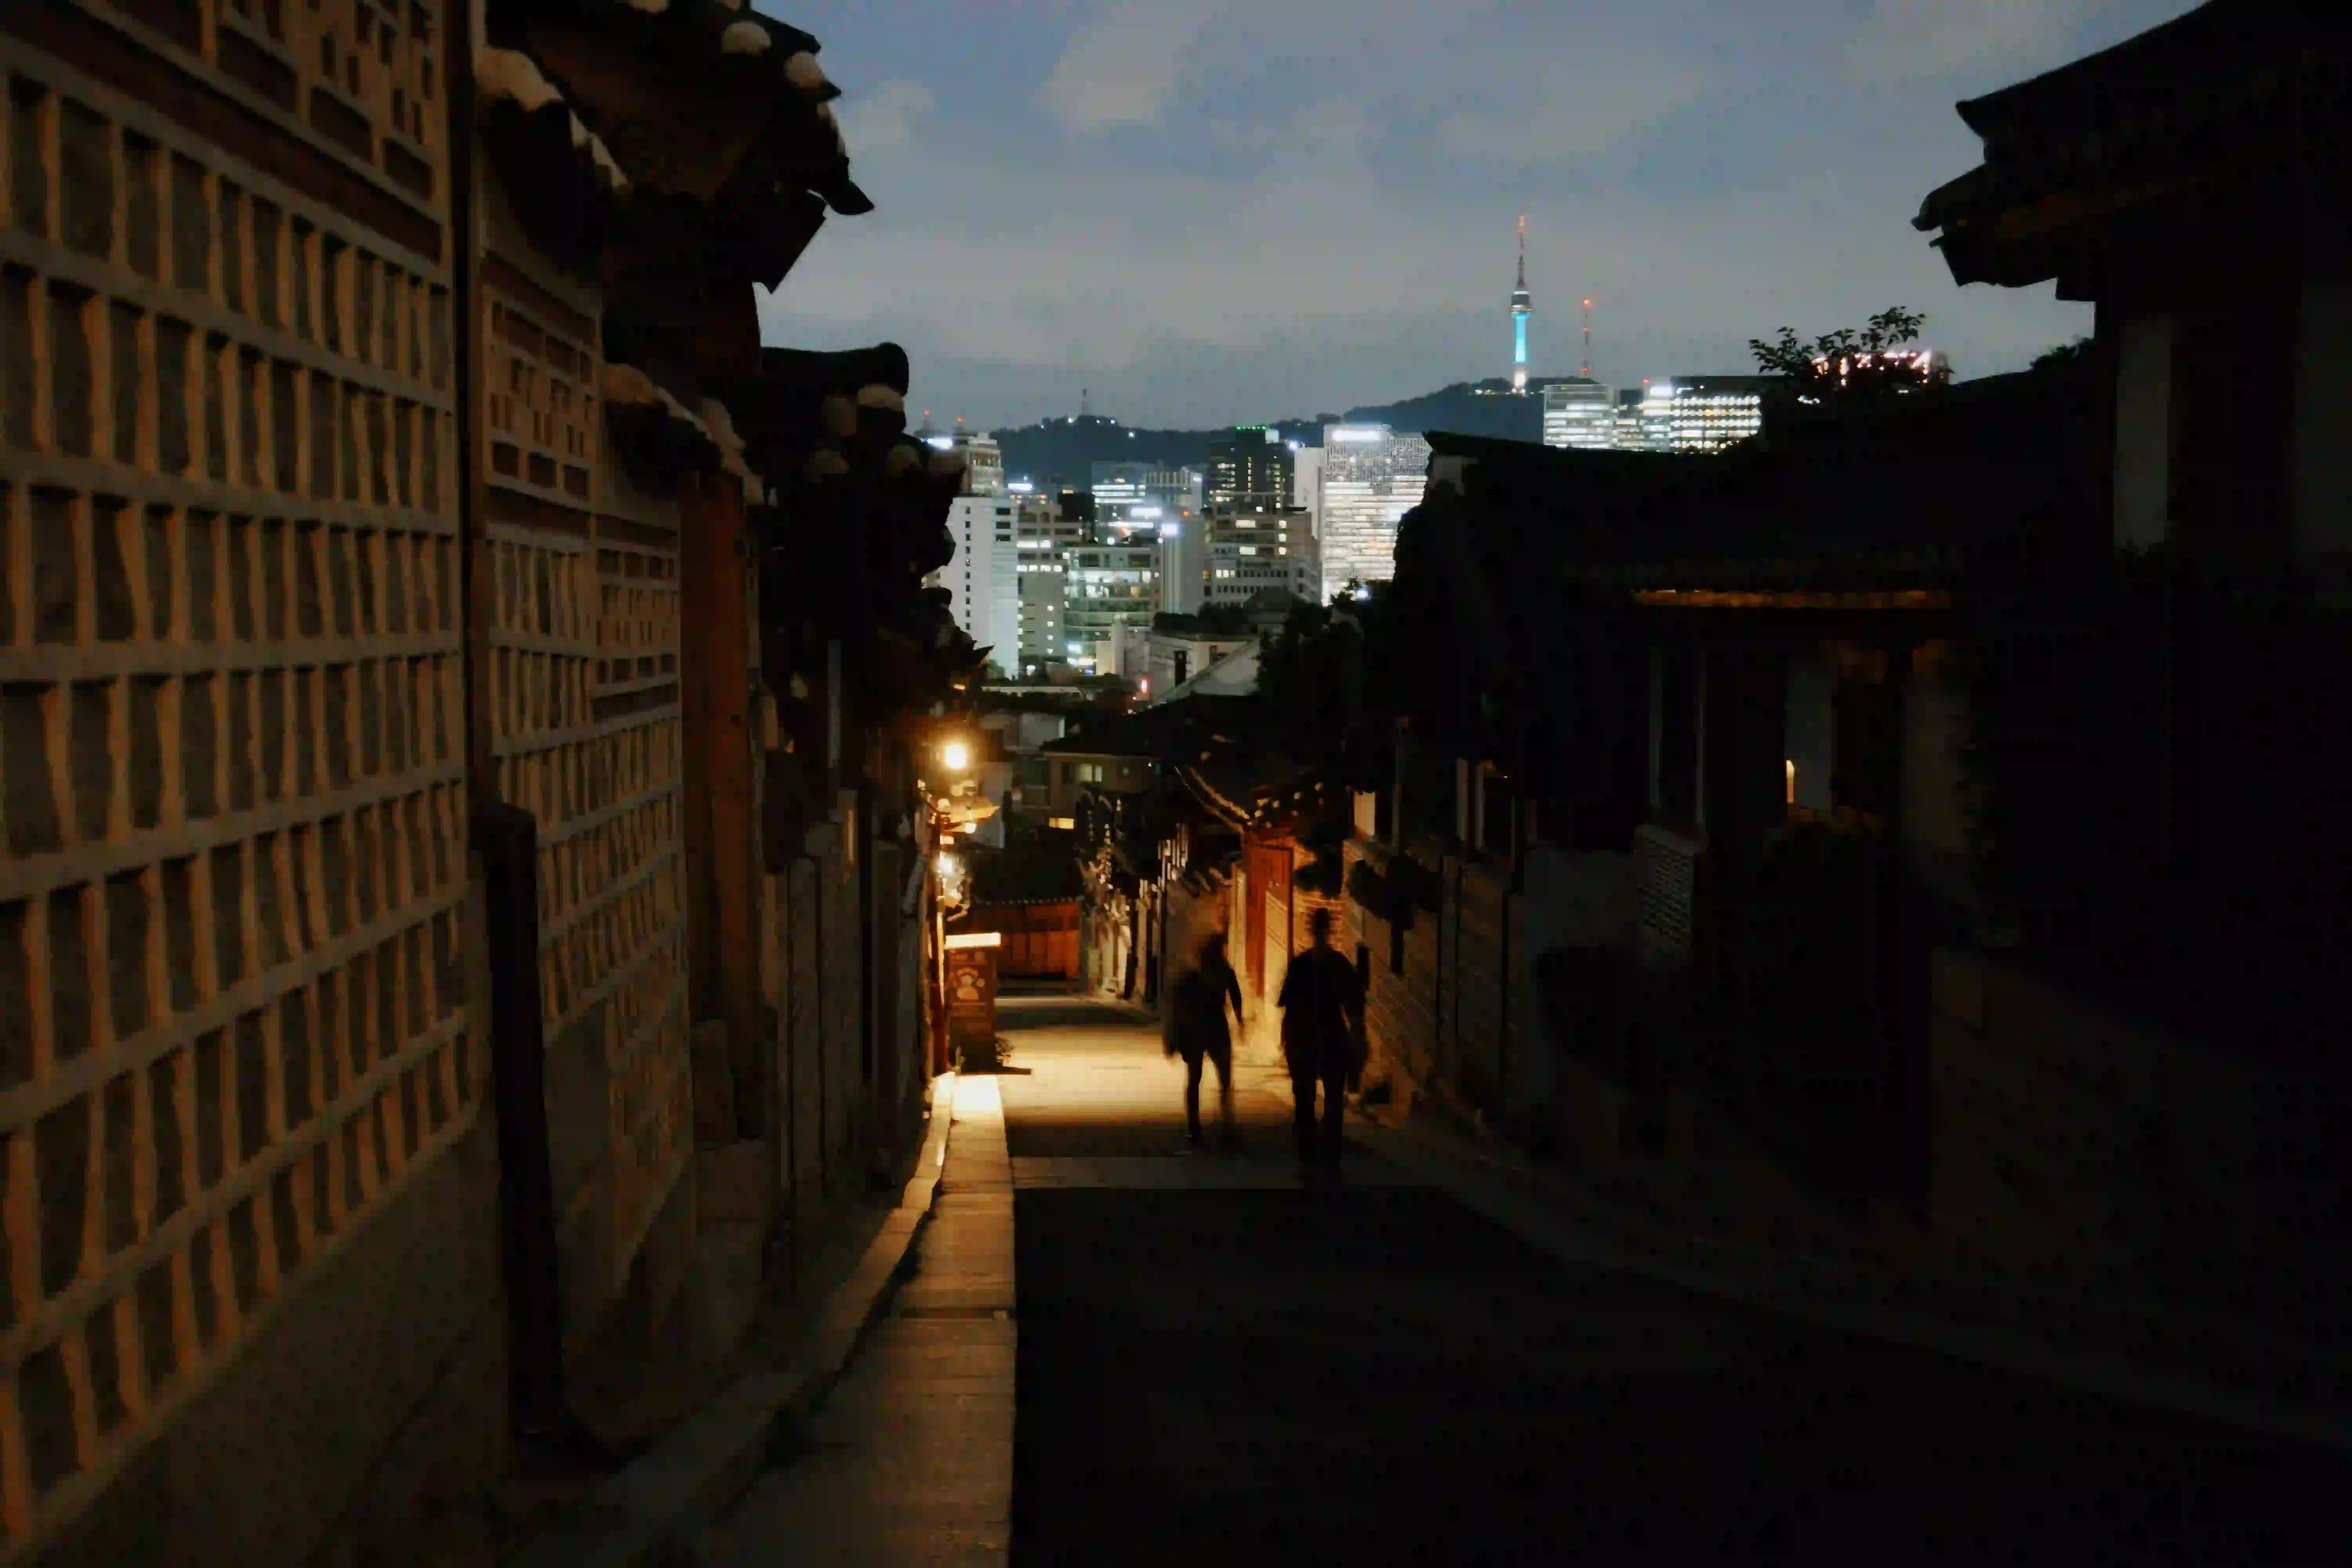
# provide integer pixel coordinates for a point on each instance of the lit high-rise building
(1044, 533)
(1307, 478)
(1371, 477)
(1131, 499)
(983, 576)
(983, 473)
(1183, 563)
(1111, 585)
(1703, 412)
(1250, 468)
(1626, 432)
(1261, 548)
(1579, 412)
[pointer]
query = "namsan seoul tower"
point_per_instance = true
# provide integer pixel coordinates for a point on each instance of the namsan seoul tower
(1520, 311)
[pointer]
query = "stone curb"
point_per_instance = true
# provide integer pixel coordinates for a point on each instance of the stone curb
(1853, 1298)
(651, 1511)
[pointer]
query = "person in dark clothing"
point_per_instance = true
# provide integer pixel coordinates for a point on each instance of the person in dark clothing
(1200, 1035)
(1322, 1003)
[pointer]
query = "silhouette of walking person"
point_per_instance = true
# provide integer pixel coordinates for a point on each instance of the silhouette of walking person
(1322, 1006)
(1200, 1033)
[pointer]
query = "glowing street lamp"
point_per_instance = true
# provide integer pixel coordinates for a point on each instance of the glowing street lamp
(956, 755)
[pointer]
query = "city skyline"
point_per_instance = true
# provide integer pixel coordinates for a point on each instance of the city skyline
(1069, 185)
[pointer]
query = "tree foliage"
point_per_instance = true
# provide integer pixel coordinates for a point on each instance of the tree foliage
(1849, 364)
(2062, 355)
(1304, 672)
(1323, 682)
(1209, 620)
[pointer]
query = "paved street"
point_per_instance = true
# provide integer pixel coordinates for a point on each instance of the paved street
(1214, 1364)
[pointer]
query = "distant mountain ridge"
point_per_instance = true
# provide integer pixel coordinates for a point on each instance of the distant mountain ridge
(1066, 449)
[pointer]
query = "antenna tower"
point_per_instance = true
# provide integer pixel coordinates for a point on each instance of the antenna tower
(1082, 403)
(1587, 370)
(1521, 308)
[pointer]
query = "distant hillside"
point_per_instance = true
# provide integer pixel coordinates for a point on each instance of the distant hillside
(1066, 449)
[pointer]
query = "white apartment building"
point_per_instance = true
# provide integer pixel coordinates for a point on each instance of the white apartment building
(1171, 659)
(1371, 477)
(1043, 540)
(1045, 590)
(1184, 564)
(1305, 478)
(985, 577)
(983, 460)
(1307, 493)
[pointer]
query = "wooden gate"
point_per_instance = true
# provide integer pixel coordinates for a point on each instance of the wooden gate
(1041, 940)
(1269, 911)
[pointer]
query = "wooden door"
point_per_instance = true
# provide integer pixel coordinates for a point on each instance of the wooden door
(1269, 909)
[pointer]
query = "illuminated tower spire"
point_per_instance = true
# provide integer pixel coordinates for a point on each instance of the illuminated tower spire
(1520, 311)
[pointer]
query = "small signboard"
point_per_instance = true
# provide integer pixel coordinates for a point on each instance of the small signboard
(971, 992)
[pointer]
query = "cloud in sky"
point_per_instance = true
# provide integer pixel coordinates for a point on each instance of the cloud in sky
(886, 116)
(1907, 40)
(1121, 69)
(1339, 123)
(1582, 107)
(1320, 212)
(1307, 278)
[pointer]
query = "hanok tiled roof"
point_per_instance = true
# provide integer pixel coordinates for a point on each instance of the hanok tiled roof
(1888, 496)
(1261, 793)
(715, 92)
(1172, 733)
(1041, 875)
(2236, 89)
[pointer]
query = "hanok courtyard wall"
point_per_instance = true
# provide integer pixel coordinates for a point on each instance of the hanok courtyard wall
(250, 1251)
(239, 1075)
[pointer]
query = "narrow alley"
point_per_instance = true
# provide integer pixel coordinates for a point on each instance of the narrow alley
(1116, 1348)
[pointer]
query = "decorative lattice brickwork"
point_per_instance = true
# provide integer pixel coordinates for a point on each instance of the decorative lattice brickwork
(543, 412)
(231, 1011)
(359, 76)
(640, 627)
(587, 731)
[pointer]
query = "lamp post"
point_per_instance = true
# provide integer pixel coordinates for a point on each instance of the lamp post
(946, 878)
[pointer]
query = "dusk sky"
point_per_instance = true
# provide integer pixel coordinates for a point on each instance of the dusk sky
(1212, 211)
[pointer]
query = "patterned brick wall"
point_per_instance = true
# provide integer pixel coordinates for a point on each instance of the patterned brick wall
(586, 730)
(362, 73)
(1443, 1021)
(232, 997)
(805, 1037)
(1477, 984)
(1400, 1003)
(845, 1004)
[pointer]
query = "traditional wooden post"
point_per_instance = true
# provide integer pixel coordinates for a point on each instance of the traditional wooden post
(1904, 1107)
(721, 847)
(506, 839)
